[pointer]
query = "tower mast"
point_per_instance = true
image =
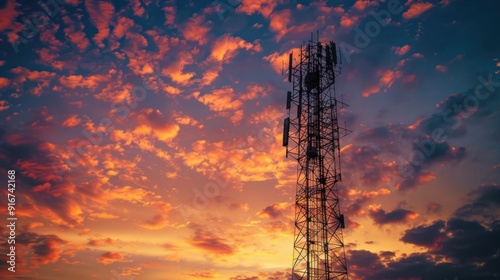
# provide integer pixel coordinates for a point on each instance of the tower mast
(311, 136)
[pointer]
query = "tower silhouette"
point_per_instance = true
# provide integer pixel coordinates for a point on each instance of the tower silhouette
(311, 136)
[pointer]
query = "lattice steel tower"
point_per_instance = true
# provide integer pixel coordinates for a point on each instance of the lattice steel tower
(312, 137)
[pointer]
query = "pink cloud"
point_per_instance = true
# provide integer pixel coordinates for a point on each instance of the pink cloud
(8, 15)
(442, 68)
(4, 82)
(101, 13)
(122, 26)
(401, 50)
(280, 20)
(370, 90)
(265, 7)
(4, 105)
(416, 9)
(347, 21)
(361, 5)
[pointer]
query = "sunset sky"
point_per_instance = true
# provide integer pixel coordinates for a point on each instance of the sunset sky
(146, 137)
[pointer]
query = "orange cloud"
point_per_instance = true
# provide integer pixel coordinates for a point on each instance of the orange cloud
(71, 121)
(72, 81)
(169, 14)
(211, 243)
(276, 210)
(195, 30)
(79, 39)
(416, 9)
(226, 48)
(175, 69)
(265, 7)
(401, 50)
(220, 100)
(347, 21)
(101, 242)
(122, 26)
(101, 13)
(4, 82)
(370, 90)
(280, 20)
(389, 77)
(111, 257)
(276, 59)
(137, 7)
(155, 123)
(157, 222)
(210, 75)
(268, 114)
(373, 194)
(43, 78)
(130, 194)
(46, 248)
(91, 82)
(361, 5)
(105, 216)
(184, 119)
(8, 15)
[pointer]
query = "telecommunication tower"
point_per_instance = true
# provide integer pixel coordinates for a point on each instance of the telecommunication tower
(311, 136)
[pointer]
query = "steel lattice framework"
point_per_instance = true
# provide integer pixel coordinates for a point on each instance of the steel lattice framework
(312, 137)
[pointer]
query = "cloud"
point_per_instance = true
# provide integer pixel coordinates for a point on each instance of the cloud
(170, 12)
(211, 243)
(112, 257)
(442, 68)
(399, 215)
(195, 29)
(416, 9)
(45, 248)
(362, 262)
(239, 206)
(433, 207)
(279, 22)
(72, 121)
(265, 7)
(4, 82)
(401, 50)
(4, 105)
(386, 80)
(101, 13)
(276, 59)
(277, 210)
(219, 100)
(79, 39)
(347, 21)
(425, 235)
(176, 69)
(361, 5)
(370, 90)
(226, 47)
(101, 242)
(428, 153)
(8, 15)
(157, 222)
(202, 274)
(456, 248)
(484, 204)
